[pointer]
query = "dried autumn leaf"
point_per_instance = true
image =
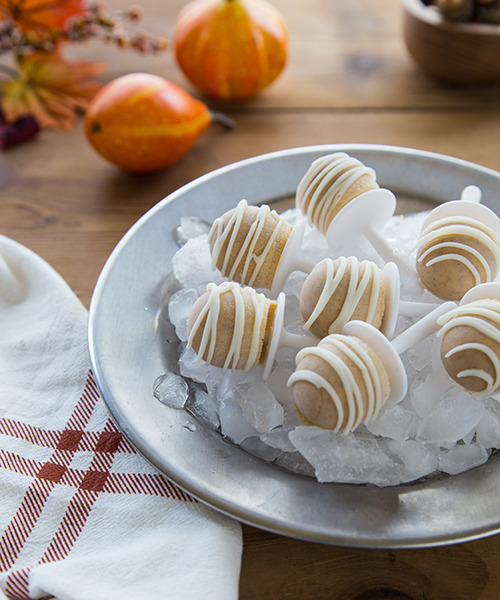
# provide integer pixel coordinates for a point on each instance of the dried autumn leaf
(40, 17)
(50, 88)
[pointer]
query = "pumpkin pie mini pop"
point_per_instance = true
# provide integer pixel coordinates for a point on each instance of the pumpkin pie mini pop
(470, 340)
(347, 378)
(255, 246)
(237, 328)
(330, 183)
(340, 290)
(340, 196)
(347, 289)
(459, 247)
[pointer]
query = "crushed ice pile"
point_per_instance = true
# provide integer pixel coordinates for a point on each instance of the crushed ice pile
(438, 427)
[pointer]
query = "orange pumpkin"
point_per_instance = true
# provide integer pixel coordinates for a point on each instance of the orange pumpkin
(230, 49)
(142, 122)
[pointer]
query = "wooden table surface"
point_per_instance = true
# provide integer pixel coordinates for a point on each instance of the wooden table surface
(349, 79)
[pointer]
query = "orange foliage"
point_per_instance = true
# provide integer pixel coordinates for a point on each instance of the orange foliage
(40, 17)
(50, 89)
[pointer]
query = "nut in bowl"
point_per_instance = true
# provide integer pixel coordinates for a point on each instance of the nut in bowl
(452, 51)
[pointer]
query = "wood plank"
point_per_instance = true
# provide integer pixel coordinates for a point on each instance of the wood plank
(342, 55)
(72, 207)
(301, 570)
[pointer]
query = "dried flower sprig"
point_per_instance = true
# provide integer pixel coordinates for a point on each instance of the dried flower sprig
(95, 23)
(41, 88)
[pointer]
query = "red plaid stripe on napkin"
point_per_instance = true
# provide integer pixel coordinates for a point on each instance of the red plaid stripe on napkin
(86, 483)
(82, 515)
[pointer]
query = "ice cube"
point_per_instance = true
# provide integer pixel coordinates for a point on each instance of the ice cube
(259, 406)
(488, 430)
(417, 356)
(189, 366)
(404, 230)
(293, 285)
(255, 446)
(452, 418)
(279, 438)
(462, 458)
(292, 215)
(393, 422)
(277, 383)
(425, 396)
(191, 227)
(192, 264)
(179, 307)
(171, 389)
(293, 321)
(233, 424)
(296, 463)
(345, 458)
(205, 407)
(417, 459)
(286, 358)
(220, 383)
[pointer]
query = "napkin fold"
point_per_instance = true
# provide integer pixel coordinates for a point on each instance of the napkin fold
(82, 515)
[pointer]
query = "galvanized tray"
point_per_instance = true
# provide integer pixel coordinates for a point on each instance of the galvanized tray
(127, 338)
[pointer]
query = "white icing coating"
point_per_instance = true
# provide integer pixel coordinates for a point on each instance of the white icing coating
(432, 236)
(358, 393)
(369, 284)
(212, 311)
(226, 241)
(484, 317)
(325, 183)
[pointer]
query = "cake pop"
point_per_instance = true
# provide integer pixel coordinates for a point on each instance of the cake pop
(235, 327)
(459, 246)
(255, 246)
(346, 289)
(329, 184)
(470, 340)
(346, 379)
(338, 291)
(342, 199)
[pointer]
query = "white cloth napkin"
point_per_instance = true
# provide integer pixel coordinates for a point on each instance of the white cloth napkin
(82, 515)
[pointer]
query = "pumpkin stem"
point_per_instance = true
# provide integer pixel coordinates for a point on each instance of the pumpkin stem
(222, 119)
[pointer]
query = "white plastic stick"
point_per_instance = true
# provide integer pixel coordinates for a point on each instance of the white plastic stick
(365, 216)
(389, 351)
(280, 338)
(394, 306)
(291, 259)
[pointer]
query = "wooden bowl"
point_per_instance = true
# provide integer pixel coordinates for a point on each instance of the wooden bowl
(466, 53)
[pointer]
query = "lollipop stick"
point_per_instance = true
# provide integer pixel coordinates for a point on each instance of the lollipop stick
(385, 249)
(421, 329)
(394, 306)
(407, 308)
(296, 341)
(291, 260)
(282, 338)
(471, 193)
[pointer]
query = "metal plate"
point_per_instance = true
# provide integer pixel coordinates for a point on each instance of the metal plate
(127, 356)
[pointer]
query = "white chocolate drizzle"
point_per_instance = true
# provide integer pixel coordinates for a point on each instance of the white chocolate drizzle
(363, 399)
(432, 236)
(226, 237)
(370, 283)
(484, 317)
(325, 183)
(212, 310)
